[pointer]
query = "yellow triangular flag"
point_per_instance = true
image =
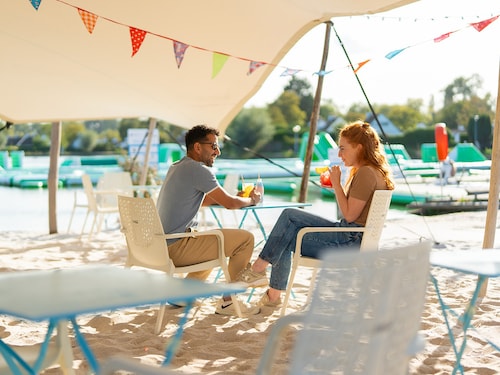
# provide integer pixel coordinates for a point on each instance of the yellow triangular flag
(218, 62)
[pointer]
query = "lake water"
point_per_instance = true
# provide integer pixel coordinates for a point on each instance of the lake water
(27, 209)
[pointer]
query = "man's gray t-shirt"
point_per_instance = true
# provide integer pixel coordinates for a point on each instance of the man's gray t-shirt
(182, 194)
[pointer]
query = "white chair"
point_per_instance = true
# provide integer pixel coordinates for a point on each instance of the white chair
(95, 207)
(116, 182)
(58, 351)
(364, 315)
(371, 236)
(147, 245)
(79, 201)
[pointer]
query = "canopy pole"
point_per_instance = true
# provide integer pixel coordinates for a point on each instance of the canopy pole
(144, 174)
(492, 210)
(53, 177)
(314, 117)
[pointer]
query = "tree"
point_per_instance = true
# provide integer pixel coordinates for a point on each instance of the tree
(71, 131)
(405, 117)
(303, 89)
(252, 129)
(285, 113)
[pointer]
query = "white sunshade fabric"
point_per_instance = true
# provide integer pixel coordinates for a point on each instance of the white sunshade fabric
(54, 69)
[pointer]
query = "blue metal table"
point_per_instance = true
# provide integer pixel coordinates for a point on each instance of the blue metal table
(60, 296)
(483, 263)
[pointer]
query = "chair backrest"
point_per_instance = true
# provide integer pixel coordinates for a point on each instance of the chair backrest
(365, 312)
(120, 182)
(88, 188)
(376, 219)
(143, 231)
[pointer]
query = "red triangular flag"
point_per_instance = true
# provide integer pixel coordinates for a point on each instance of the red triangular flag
(179, 50)
(254, 65)
(479, 26)
(360, 65)
(442, 37)
(137, 37)
(89, 19)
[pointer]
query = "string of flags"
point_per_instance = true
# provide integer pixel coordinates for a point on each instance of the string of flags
(137, 37)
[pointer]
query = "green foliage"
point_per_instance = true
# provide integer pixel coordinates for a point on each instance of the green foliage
(303, 89)
(70, 133)
(251, 128)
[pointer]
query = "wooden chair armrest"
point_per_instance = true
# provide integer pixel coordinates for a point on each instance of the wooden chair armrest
(214, 232)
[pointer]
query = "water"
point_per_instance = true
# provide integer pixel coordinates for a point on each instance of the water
(27, 209)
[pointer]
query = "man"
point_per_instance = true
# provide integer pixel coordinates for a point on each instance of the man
(190, 183)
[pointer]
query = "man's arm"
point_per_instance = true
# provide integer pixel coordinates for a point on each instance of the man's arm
(222, 197)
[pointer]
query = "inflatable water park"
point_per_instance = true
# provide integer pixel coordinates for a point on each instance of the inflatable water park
(418, 180)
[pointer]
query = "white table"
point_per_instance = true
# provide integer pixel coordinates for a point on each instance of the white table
(59, 296)
(483, 263)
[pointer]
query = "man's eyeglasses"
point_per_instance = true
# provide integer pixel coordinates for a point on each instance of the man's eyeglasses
(214, 145)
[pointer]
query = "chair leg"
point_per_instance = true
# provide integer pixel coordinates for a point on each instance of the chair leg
(311, 285)
(71, 218)
(84, 224)
(289, 288)
(159, 319)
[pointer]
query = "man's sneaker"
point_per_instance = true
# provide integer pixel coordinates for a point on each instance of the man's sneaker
(227, 308)
(252, 279)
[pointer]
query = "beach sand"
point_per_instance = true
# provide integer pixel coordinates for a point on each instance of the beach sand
(213, 344)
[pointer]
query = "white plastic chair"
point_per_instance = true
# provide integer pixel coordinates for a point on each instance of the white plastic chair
(58, 351)
(95, 207)
(116, 182)
(371, 236)
(364, 315)
(147, 245)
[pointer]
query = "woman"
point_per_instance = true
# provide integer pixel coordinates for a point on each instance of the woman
(360, 149)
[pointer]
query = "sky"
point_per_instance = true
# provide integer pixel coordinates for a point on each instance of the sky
(421, 71)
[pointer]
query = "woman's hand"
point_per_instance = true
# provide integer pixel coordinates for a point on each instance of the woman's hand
(335, 174)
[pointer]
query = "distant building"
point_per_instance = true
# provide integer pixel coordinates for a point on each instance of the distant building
(389, 128)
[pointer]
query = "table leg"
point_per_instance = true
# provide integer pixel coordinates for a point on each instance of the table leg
(466, 321)
(215, 217)
(176, 340)
(87, 352)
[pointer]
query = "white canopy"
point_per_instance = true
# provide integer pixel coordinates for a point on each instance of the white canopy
(53, 68)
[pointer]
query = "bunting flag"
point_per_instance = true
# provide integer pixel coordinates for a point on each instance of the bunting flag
(218, 60)
(360, 65)
(394, 53)
(35, 3)
(479, 26)
(137, 37)
(323, 72)
(254, 65)
(89, 19)
(179, 50)
(443, 37)
(289, 72)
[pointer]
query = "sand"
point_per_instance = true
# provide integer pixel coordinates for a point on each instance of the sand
(214, 344)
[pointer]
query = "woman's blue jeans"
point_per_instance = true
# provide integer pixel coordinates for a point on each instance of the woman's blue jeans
(281, 242)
